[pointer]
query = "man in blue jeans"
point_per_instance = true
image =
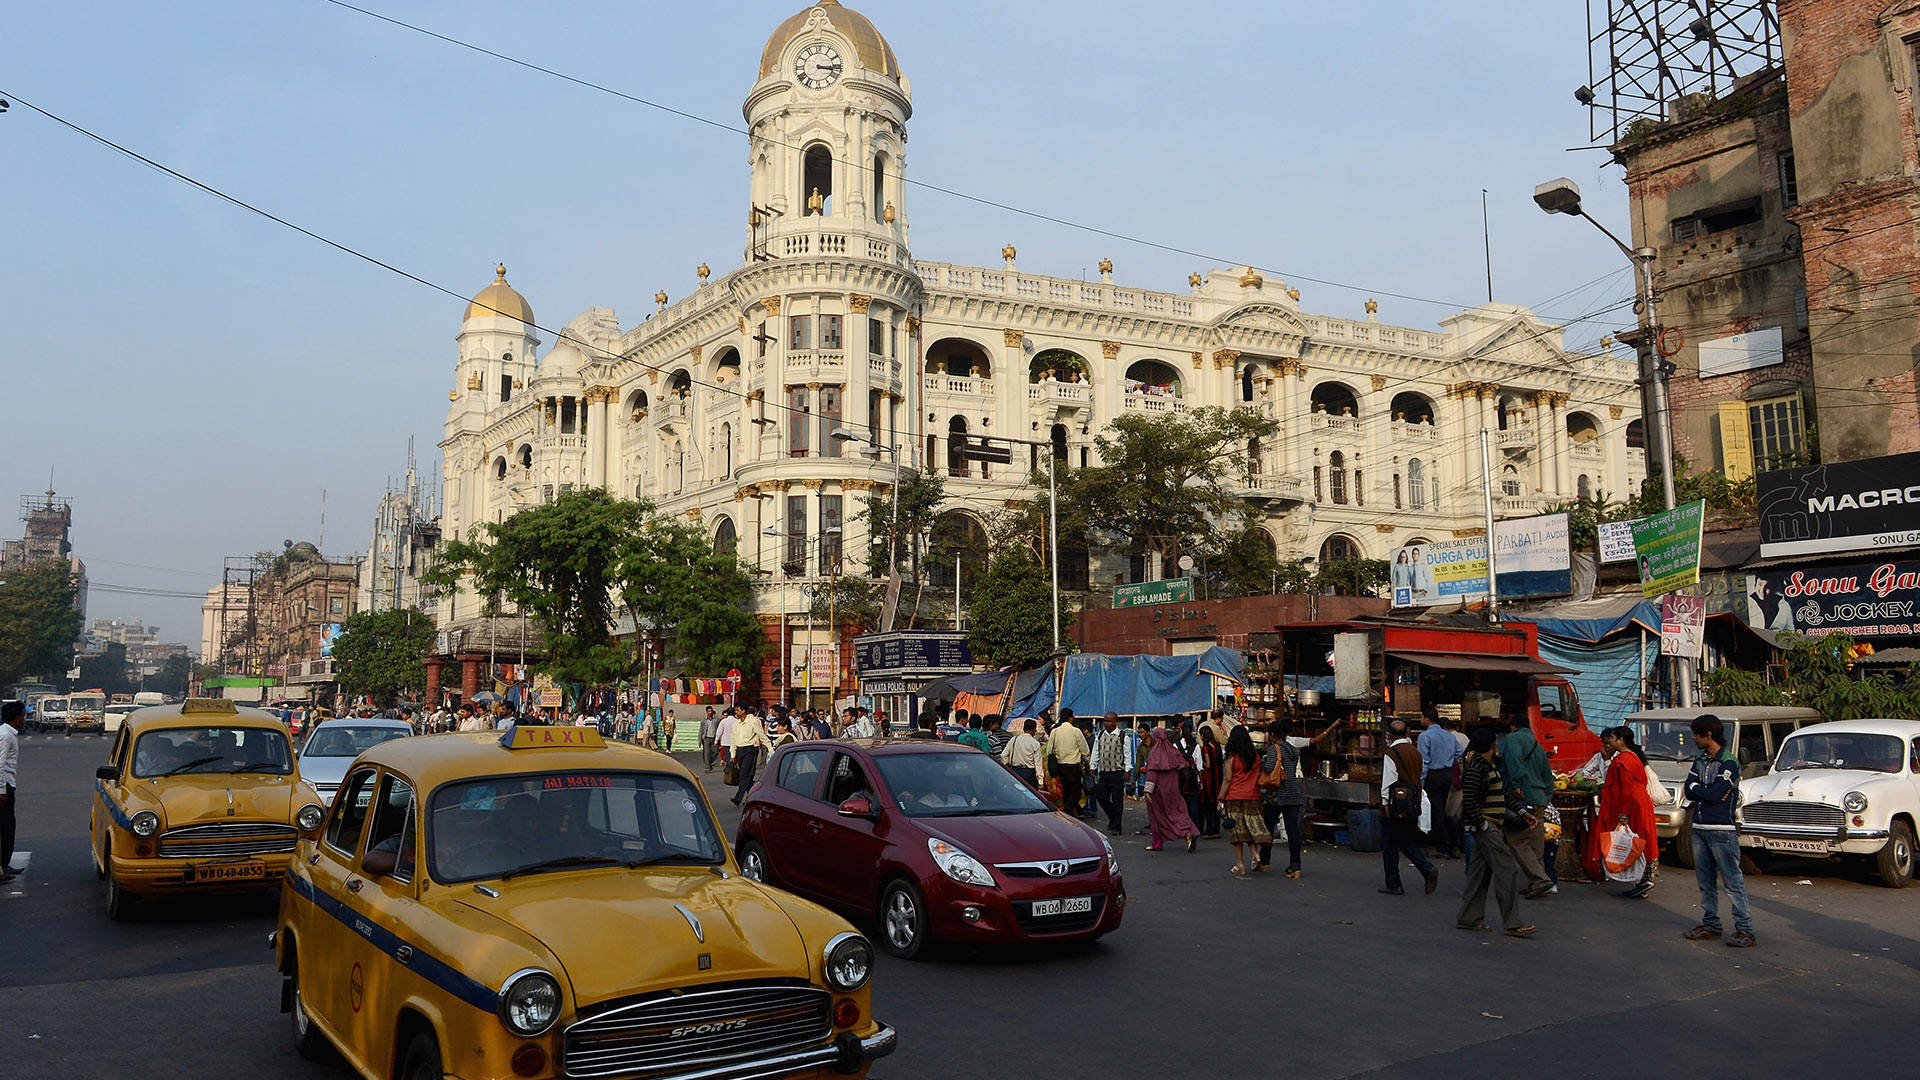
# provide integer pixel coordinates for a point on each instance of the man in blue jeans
(1714, 789)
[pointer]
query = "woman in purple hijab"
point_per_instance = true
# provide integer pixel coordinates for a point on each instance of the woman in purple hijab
(1166, 809)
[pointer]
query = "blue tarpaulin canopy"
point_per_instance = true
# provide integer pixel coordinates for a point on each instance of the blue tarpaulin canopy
(1592, 621)
(1098, 683)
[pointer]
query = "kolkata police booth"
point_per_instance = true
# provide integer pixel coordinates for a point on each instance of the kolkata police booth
(895, 668)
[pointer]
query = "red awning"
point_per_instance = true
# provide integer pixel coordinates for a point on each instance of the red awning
(1524, 665)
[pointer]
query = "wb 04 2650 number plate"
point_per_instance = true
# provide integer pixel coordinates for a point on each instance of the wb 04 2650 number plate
(1072, 905)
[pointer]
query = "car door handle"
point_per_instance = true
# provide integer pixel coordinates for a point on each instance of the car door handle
(354, 883)
(814, 826)
(313, 859)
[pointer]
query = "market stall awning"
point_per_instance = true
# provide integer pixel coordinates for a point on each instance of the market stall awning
(1524, 665)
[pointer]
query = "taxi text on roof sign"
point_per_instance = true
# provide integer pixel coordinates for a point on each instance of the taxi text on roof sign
(524, 737)
(209, 705)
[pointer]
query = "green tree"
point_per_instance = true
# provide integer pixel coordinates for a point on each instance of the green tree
(920, 497)
(1821, 674)
(1353, 577)
(1242, 564)
(174, 675)
(849, 601)
(1165, 482)
(381, 653)
(1010, 613)
(678, 588)
(105, 672)
(39, 621)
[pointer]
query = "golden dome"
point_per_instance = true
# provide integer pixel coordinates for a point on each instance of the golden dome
(500, 299)
(875, 54)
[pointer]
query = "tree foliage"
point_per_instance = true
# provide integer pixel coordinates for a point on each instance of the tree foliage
(1822, 674)
(1353, 577)
(679, 589)
(1010, 613)
(38, 621)
(849, 601)
(920, 497)
(174, 675)
(1242, 564)
(106, 672)
(380, 654)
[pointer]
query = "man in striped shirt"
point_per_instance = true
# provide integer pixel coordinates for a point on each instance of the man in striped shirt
(1483, 813)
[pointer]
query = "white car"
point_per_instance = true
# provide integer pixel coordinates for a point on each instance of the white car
(114, 716)
(1848, 788)
(332, 746)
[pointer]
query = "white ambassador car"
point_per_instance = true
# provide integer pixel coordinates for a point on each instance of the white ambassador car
(332, 746)
(1848, 788)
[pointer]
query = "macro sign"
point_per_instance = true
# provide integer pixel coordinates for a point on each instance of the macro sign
(1847, 506)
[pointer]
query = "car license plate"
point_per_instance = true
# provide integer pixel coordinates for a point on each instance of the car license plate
(230, 871)
(1814, 847)
(1072, 905)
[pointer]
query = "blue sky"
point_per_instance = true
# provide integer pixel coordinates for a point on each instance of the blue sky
(195, 376)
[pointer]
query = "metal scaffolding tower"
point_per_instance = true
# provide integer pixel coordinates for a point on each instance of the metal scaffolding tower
(1644, 55)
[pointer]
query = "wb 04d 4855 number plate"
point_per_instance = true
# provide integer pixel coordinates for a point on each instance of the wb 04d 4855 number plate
(1072, 905)
(229, 871)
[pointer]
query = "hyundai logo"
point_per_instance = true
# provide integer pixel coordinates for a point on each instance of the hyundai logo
(707, 1029)
(1056, 869)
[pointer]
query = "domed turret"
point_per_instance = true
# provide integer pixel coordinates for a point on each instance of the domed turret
(875, 54)
(500, 300)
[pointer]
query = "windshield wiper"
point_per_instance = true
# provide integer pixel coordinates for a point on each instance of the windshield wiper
(259, 766)
(680, 858)
(194, 764)
(554, 864)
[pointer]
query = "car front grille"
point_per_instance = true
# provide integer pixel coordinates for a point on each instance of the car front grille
(1058, 924)
(1039, 869)
(1794, 813)
(703, 1027)
(227, 838)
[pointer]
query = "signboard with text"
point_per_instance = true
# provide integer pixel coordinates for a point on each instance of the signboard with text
(1846, 506)
(912, 652)
(1532, 557)
(1864, 600)
(1451, 570)
(1171, 591)
(1667, 546)
(1616, 541)
(1683, 625)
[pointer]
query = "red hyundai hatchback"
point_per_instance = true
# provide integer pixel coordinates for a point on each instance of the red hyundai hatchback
(936, 841)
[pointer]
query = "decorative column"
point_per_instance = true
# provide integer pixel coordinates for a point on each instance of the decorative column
(432, 696)
(470, 674)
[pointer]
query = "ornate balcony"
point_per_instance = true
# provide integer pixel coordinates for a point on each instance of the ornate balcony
(1516, 438)
(1148, 403)
(1064, 395)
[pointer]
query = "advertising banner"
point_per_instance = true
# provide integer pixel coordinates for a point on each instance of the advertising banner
(1683, 625)
(1848, 506)
(328, 635)
(1451, 570)
(1616, 541)
(1864, 600)
(1532, 557)
(546, 695)
(1667, 545)
(1171, 591)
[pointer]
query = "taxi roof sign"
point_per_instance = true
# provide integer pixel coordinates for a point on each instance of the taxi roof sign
(535, 737)
(209, 705)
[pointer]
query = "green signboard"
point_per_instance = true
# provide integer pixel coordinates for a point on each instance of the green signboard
(217, 681)
(1171, 591)
(1667, 547)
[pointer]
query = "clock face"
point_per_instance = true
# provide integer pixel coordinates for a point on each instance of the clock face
(818, 66)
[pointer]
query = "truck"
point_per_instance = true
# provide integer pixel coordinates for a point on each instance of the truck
(86, 711)
(48, 713)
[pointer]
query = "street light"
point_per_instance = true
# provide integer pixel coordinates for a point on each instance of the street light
(1562, 196)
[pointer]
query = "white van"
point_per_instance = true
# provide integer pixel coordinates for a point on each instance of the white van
(1754, 732)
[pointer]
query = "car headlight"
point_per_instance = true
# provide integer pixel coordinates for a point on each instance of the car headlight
(959, 865)
(145, 823)
(309, 817)
(530, 1003)
(849, 962)
(1113, 857)
(1854, 802)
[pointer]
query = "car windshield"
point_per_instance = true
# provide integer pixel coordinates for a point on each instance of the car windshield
(1844, 750)
(347, 740)
(1668, 740)
(212, 749)
(503, 826)
(955, 785)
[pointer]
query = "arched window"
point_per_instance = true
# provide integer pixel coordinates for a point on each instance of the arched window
(817, 179)
(1337, 473)
(956, 441)
(1417, 483)
(957, 535)
(1273, 546)
(1581, 428)
(726, 450)
(1433, 484)
(679, 466)
(1583, 487)
(500, 468)
(1637, 435)
(1338, 548)
(1412, 408)
(1246, 383)
(879, 187)
(724, 538)
(1059, 439)
(726, 366)
(960, 357)
(1153, 378)
(637, 406)
(1510, 412)
(680, 384)
(1335, 399)
(1510, 481)
(526, 457)
(1058, 365)
(1396, 491)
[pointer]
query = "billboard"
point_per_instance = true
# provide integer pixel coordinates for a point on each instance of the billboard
(1667, 546)
(328, 635)
(1451, 570)
(1847, 506)
(1864, 600)
(1616, 541)
(1532, 557)
(1683, 625)
(917, 652)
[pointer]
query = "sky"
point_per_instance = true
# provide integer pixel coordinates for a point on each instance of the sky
(203, 382)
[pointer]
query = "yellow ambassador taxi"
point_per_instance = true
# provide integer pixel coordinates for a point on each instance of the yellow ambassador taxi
(196, 797)
(538, 903)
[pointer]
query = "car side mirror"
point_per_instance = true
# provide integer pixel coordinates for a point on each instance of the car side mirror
(379, 862)
(857, 807)
(107, 772)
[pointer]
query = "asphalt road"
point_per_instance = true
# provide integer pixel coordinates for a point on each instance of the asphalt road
(1209, 977)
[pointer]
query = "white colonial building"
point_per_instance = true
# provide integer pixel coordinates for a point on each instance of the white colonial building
(721, 405)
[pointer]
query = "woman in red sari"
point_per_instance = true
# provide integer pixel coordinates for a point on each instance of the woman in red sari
(1624, 800)
(1166, 808)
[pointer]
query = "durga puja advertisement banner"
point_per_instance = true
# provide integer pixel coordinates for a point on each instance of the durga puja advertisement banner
(1862, 600)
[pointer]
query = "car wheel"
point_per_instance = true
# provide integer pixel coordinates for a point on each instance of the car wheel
(307, 1040)
(422, 1058)
(753, 863)
(120, 902)
(1895, 861)
(1683, 844)
(903, 920)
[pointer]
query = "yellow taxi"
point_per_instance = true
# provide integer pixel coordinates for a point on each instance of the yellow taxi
(539, 903)
(199, 796)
